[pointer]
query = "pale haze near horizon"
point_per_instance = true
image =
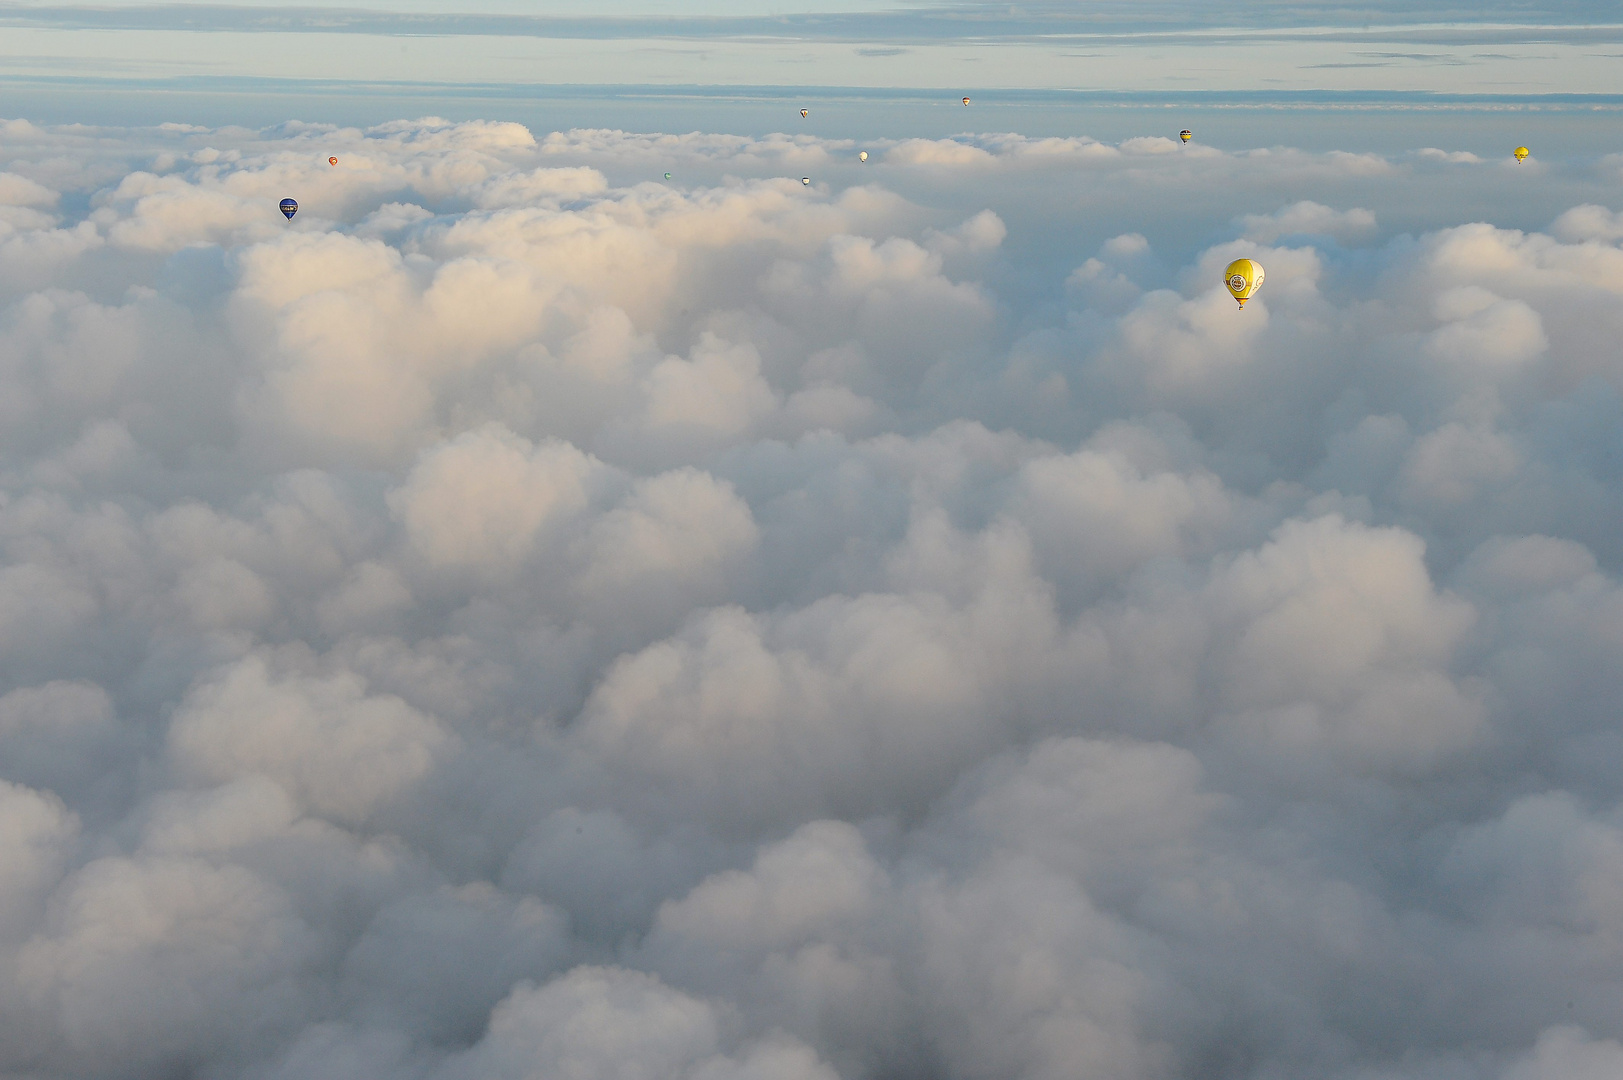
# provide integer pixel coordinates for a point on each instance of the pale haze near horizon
(1176, 46)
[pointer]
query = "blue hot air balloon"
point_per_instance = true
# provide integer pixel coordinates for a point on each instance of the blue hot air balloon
(289, 208)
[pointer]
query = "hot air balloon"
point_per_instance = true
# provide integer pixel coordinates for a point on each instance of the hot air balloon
(1186, 134)
(863, 156)
(667, 176)
(1521, 153)
(332, 161)
(966, 101)
(1243, 278)
(289, 208)
(806, 180)
(805, 113)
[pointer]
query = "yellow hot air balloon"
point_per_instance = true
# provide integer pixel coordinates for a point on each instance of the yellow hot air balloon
(1521, 153)
(863, 156)
(1243, 278)
(966, 101)
(1186, 134)
(806, 180)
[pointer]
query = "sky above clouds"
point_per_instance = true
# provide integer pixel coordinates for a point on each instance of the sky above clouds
(1435, 46)
(528, 618)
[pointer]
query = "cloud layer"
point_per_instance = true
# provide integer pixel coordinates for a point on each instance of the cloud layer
(521, 619)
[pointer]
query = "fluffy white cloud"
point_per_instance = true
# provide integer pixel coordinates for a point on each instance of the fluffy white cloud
(342, 750)
(524, 619)
(482, 499)
(146, 965)
(1309, 218)
(602, 1023)
(1568, 1051)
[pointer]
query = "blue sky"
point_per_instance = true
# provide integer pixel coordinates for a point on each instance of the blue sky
(1167, 45)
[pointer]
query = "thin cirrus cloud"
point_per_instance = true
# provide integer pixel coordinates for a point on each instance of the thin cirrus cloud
(1168, 45)
(526, 618)
(829, 18)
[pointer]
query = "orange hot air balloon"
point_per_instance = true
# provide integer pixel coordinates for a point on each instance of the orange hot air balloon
(966, 101)
(332, 161)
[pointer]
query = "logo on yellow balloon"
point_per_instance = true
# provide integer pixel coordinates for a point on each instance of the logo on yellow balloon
(1243, 278)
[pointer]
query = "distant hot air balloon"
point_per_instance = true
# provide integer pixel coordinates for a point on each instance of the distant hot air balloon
(1186, 134)
(1521, 153)
(805, 113)
(1243, 278)
(289, 208)
(966, 101)
(806, 180)
(863, 156)
(332, 161)
(667, 176)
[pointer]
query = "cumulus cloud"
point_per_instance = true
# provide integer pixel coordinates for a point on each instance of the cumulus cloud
(522, 618)
(1311, 219)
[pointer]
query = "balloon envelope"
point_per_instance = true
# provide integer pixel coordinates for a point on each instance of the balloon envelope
(806, 180)
(1186, 134)
(332, 161)
(667, 176)
(966, 101)
(804, 113)
(1521, 153)
(289, 208)
(863, 156)
(1243, 278)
